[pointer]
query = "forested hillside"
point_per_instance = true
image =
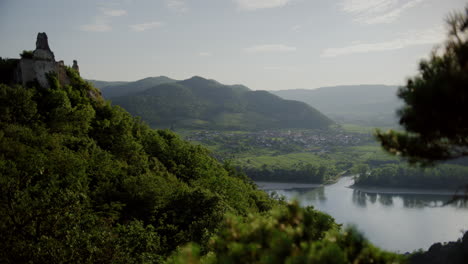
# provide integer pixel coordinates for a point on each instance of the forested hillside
(446, 176)
(83, 181)
(114, 89)
(200, 103)
(101, 85)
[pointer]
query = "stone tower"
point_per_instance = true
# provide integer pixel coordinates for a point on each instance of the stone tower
(42, 51)
(41, 64)
(75, 67)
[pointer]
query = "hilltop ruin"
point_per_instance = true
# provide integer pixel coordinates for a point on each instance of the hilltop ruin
(36, 66)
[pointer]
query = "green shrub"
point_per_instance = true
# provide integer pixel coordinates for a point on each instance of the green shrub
(27, 54)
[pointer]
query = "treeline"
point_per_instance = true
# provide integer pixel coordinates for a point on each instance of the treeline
(82, 181)
(444, 176)
(299, 172)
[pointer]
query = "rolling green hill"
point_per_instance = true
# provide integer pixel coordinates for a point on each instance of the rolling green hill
(200, 103)
(368, 105)
(114, 89)
(104, 84)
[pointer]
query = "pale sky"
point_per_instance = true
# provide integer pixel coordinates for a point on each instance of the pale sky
(263, 44)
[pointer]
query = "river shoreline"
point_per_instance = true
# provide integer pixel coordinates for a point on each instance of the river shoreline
(285, 185)
(418, 215)
(380, 190)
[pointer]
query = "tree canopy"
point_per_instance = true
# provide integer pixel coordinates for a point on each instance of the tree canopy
(435, 114)
(82, 181)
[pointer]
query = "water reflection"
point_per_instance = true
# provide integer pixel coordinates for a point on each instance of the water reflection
(424, 201)
(414, 201)
(372, 197)
(317, 195)
(422, 219)
(359, 198)
(363, 199)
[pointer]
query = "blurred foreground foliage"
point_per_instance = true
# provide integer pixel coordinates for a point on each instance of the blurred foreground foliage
(436, 103)
(289, 234)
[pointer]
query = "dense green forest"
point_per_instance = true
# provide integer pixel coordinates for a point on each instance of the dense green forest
(199, 103)
(298, 172)
(445, 176)
(83, 181)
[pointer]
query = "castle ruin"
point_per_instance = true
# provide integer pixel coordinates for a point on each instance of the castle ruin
(42, 62)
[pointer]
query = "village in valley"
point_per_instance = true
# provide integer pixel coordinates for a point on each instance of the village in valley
(320, 141)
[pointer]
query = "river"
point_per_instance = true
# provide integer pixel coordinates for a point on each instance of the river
(396, 222)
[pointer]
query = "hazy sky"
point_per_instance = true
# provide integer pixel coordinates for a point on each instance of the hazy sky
(264, 44)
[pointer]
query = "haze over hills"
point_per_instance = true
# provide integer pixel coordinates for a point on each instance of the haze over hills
(370, 105)
(104, 84)
(114, 89)
(199, 103)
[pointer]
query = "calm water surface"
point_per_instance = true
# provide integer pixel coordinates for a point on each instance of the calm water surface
(396, 222)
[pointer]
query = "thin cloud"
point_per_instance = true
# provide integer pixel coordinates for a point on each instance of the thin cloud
(205, 54)
(260, 4)
(177, 5)
(102, 22)
(282, 68)
(269, 48)
(367, 6)
(96, 27)
(377, 11)
(430, 36)
(296, 28)
(113, 12)
(146, 26)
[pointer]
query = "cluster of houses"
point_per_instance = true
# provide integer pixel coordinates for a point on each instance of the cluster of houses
(309, 140)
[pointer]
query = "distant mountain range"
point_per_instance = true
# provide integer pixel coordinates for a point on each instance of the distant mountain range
(114, 89)
(369, 105)
(199, 103)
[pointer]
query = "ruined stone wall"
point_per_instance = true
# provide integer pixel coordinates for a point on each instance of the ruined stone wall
(42, 63)
(42, 68)
(62, 74)
(26, 71)
(31, 69)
